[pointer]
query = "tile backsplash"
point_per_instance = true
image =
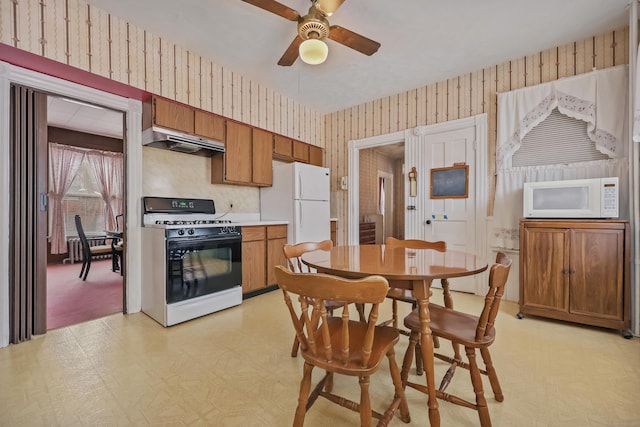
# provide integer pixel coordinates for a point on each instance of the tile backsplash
(172, 174)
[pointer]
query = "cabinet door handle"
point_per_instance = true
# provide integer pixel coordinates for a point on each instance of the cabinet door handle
(568, 271)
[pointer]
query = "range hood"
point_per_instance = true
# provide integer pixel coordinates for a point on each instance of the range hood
(175, 141)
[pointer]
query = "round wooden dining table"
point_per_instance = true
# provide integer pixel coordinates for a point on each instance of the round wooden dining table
(413, 269)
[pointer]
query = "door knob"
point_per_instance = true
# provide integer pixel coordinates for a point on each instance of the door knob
(428, 222)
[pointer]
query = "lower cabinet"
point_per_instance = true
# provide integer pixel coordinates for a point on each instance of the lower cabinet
(261, 252)
(576, 270)
(276, 239)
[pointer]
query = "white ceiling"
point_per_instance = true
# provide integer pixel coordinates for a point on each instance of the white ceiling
(67, 113)
(423, 41)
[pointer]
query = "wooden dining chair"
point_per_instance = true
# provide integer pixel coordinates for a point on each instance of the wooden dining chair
(89, 252)
(472, 332)
(405, 295)
(339, 345)
(293, 254)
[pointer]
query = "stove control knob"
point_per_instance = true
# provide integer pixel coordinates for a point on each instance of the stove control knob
(180, 232)
(191, 231)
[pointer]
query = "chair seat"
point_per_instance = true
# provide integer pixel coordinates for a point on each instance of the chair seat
(404, 295)
(385, 338)
(452, 325)
(100, 249)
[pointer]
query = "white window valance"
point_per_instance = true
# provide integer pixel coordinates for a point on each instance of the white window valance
(598, 98)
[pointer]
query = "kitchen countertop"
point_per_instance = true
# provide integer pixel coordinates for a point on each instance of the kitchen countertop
(247, 223)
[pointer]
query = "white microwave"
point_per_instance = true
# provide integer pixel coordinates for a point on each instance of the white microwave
(576, 198)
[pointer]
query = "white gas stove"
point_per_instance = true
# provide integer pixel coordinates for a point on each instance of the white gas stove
(192, 260)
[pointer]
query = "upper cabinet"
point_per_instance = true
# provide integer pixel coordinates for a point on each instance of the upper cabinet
(209, 125)
(249, 150)
(301, 151)
(247, 159)
(316, 155)
(262, 157)
(171, 115)
(282, 148)
(290, 150)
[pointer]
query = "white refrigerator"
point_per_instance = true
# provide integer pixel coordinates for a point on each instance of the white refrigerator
(300, 196)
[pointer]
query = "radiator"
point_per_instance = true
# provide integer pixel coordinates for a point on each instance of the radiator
(75, 249)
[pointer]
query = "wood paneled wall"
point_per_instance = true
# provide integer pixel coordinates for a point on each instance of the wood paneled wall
(83, 36)
(460, 97)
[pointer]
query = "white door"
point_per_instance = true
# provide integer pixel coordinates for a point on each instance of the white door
(448, 219)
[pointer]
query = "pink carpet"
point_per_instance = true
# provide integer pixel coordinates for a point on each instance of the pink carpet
(71, 301)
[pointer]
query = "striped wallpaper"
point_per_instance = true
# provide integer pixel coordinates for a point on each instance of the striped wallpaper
(80, 35)
(460, 97)
(77, 34)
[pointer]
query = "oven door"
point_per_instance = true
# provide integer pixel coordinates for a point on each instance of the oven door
(202, 266)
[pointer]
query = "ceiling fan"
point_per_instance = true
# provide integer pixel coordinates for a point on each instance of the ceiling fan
(313, 29)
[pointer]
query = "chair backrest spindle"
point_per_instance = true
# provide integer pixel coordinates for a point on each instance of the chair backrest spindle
(498, 276)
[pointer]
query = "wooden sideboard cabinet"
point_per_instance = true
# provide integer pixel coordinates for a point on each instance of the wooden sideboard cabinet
(577, 271)
(367, 233)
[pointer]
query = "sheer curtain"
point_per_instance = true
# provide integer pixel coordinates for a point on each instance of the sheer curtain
(64, 162)
(597, 98)
(108, 170)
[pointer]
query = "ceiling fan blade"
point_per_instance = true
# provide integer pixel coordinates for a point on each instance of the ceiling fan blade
(329, 6)
(353, 40)
(291, 54)
(275, 7)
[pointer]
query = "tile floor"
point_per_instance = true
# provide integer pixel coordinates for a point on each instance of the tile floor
(233, 368)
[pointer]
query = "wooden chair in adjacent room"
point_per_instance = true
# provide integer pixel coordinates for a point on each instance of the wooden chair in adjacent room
(405, 295)
(292, 253)
(339, 345)
(89, 252)
(117, 246)
(472, 332)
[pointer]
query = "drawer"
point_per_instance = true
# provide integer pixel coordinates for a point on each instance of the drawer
(276, 231)
(253, 233)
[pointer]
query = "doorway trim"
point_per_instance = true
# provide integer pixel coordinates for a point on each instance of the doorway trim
(480, 122)
(355, 146)
(10, 74)
(388, 177)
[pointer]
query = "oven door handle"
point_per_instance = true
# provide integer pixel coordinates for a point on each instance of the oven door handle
(190, 240)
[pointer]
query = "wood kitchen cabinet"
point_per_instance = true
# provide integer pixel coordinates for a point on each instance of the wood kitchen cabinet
(282, 148)
(261, 252)
(276, 239)
(262, 156)
(315, 156)
(169, 114)
(300, 151)
(577, 271)
(174, 115)
(254, 252)
(247, 159)
(208, 125)
(290, 150)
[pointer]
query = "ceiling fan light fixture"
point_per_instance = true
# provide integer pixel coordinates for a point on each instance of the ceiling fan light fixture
(313, 51)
